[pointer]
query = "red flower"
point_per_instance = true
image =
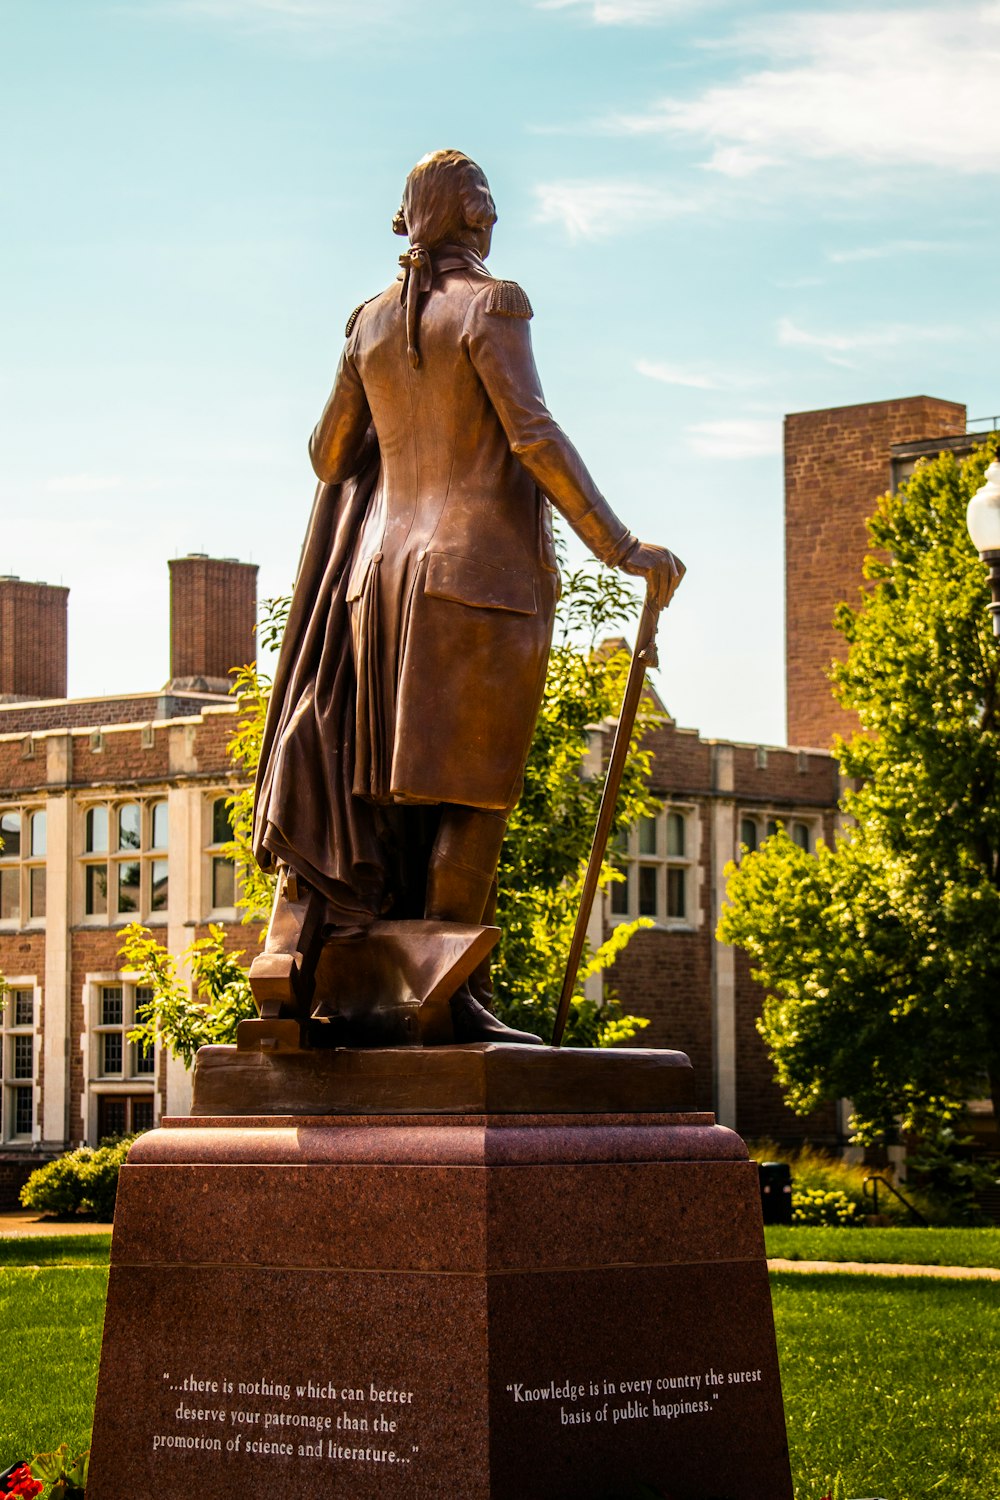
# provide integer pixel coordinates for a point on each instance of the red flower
(22, 1484)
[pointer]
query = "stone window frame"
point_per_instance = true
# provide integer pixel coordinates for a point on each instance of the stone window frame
(13, 1083)
(130, 1084)
(765, 823)
(146, 855)
(26, 865)
(212, 855)
(675, 873)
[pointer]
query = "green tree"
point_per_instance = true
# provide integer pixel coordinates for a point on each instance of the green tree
(541, 866)
(173, 1017)
(880, 955)
(550, 831)
(252, 688)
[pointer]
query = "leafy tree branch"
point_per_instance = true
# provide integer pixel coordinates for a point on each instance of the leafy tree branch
(881, 955)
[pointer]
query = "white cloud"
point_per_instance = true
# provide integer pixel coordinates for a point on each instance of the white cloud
(740, 161)
(736, 437)
(658, 369)
(892, 248)
(837, 347)
(593, 210)
(83, 484)
(884, 88)
(621, 12)
(694, 378)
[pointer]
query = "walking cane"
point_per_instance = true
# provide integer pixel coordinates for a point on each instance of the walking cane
(643, 657)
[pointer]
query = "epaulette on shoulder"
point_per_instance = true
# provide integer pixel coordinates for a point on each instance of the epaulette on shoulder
(508, 300)
(354, 317)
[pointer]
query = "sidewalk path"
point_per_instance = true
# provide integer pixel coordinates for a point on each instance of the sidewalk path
(887, 1268)
(19, 1223)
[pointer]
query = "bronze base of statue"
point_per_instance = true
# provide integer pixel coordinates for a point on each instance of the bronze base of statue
(391, 985)
(481, 1078)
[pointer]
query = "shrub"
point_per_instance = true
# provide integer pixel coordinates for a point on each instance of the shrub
(83, 1181)
(816, 1171)
(951, 1178)
(101, 1174)
(814, 1206)
(57, 1188)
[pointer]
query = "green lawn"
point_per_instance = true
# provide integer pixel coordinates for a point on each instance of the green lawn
(890, 1382)
(917, 1247)
(50, 1323)
(893, 1383)
(56, 1250)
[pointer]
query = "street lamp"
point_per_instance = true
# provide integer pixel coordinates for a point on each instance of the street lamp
(983, 520)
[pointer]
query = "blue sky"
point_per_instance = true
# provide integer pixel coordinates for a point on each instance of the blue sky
(720, 211)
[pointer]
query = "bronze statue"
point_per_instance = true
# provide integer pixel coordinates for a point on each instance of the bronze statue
(414, 658)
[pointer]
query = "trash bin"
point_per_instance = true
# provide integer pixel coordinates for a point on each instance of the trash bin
(776, 1191)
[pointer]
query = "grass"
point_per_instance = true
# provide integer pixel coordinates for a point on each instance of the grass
(915, 1247)
(51, 1319)
(891, 1384)
(56, 1250)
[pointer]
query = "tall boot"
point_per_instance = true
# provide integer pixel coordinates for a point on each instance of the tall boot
(480, 980)
(463, 863)
(460, 880)
(282, 978)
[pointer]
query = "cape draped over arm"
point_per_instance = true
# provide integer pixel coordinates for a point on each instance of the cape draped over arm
(305, 814)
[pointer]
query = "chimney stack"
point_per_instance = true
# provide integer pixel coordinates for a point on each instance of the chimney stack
(32, 639)
(213, 611)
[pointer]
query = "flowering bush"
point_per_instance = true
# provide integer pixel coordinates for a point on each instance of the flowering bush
(19, 1481)
(817, 1206)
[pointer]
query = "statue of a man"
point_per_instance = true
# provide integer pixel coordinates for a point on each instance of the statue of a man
(414, 659)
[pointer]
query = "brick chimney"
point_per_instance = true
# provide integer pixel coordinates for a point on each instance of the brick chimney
(213, 610)
(837, 464)
(32, 639)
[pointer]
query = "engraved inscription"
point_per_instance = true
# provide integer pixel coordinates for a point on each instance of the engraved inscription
(661, 1397)
(327, 1420)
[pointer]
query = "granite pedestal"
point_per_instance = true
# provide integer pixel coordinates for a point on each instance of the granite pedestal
(498, 1305)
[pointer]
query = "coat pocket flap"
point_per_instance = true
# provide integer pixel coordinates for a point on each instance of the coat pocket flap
(467, 581)
(359, 576)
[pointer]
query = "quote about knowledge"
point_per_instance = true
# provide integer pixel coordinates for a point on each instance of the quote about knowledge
(653, 1398)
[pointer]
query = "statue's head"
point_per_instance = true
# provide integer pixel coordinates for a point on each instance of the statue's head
(447, 200)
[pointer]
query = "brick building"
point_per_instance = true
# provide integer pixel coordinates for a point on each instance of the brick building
(113, 809)
(697, 994)
(837, 463)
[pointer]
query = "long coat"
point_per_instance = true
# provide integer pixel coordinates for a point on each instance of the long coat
(455, 581)
(451, 584)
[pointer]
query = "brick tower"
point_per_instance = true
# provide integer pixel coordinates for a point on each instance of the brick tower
(32, 639)
(213, 611)
(837, 463)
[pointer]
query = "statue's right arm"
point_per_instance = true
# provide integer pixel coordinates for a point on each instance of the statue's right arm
(340, 442)
(500, 349)
(499, 346)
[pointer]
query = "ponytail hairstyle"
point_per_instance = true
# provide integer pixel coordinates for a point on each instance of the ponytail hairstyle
(445, 195)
